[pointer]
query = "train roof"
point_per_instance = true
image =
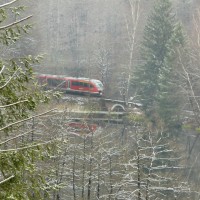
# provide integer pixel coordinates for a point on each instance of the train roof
(67, 77)
(52, 75)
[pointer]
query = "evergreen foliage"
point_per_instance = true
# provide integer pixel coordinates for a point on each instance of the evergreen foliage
(169, 96)
(19, 97)
(154, 79)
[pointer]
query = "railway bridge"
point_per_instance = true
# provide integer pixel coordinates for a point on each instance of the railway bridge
(105, 104)
(118, 105)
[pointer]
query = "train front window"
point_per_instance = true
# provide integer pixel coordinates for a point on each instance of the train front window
(98, 84)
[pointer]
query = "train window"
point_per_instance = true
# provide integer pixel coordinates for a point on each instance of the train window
(62, 84)
(41, 80)
(98, 83)
(86, 84)
(75, 83)
(56, 82)
(50, 82)
(91, 86)
(81, 84)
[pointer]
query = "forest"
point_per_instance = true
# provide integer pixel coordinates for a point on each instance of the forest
(60, 146)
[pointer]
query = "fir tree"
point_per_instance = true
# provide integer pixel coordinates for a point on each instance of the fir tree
(153, 77)
(169, 97)
(19, 97)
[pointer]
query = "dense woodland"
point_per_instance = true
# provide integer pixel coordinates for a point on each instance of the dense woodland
(143, 51)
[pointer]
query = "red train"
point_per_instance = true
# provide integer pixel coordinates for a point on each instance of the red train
(82, 127)
(71, 84)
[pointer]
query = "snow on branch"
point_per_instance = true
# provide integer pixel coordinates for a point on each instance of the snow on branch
(4, 142)
(26, 147)
(7, 179)
(14, 23)
(29, 118)
(2, 69)
(7, 4)
(12, 104)
(8, 81)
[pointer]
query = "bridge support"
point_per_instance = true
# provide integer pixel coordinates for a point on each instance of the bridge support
(118, 108)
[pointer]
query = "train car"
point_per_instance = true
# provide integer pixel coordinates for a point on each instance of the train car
(72, 84)
(82, 127)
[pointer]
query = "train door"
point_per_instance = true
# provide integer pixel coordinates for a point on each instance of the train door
(68, 85)
(80, 87)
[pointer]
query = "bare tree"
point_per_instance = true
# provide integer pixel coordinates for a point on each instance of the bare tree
(131, 21)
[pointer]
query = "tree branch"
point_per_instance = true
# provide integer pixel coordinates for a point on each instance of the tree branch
(14, 23)
(2, 69)
(7, 179)
(7, 4)
(9, 79)
(16, 137)
(27, 147)
(12, 104)
(20, 121)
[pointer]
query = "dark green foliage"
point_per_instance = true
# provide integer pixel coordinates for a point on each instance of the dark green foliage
(11, 30)
(156, 79)
(15, 80)
(26, 182)
(169, 96)
(20, 177)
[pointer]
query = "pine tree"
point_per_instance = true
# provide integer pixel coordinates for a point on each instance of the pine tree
(19, 97)
(169, 97)
(155, 79)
